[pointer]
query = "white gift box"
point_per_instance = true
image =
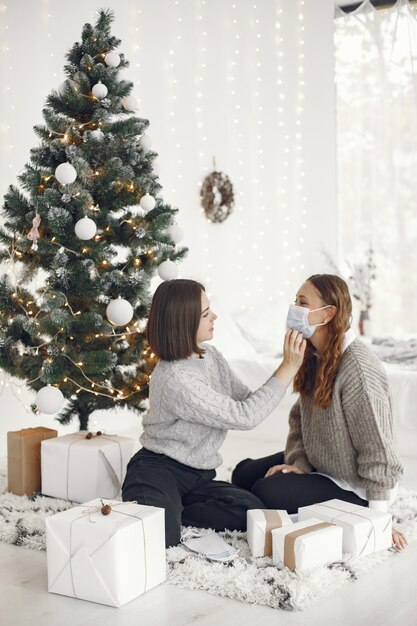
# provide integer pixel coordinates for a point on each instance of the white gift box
(260, 523)
(364, 530)
(79, 469)
(109, 559)
(306, 544)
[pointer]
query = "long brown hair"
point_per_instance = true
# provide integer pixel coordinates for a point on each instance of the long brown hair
(318, 376)
(174, 319)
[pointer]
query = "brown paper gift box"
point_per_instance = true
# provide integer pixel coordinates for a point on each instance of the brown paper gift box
(24, 459)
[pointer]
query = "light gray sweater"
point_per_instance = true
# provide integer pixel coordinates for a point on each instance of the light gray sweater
(194, 402)
(351, 439)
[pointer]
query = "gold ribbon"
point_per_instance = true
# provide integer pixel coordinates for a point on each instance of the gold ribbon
(273, 520)
(289, 542)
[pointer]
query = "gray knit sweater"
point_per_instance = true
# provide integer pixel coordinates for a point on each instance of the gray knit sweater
(194, 402)
(352, 439)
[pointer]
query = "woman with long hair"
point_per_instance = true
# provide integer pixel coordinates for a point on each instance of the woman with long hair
(340, 440)
(194, 399)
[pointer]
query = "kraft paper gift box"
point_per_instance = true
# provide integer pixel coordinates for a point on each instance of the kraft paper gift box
(110, 559)
(364, 530)
(306, 544)
(79, 469)
(24, 459)
(260, 523)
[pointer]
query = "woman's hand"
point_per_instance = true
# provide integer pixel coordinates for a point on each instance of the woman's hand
(398, 540)
(294, 348)
(285, 469)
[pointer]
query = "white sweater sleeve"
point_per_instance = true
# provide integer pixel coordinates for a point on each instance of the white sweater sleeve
(197, 402)
(378, 505)
(239, 389)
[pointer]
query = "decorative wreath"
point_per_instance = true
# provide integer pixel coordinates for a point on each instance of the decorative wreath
(217, 198)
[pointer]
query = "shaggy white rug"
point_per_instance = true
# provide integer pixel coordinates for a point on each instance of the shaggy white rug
(255, 581)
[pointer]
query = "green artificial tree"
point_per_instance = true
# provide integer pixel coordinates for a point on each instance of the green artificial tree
(83, 240)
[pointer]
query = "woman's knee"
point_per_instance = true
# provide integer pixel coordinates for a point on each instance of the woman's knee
(275, 493)
(239, 477)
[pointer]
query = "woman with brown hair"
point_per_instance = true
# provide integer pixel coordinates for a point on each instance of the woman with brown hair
(194, 399)
(340, 441)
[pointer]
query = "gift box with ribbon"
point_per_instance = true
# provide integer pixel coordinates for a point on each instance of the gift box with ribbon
(82, 466)
(260, 523)
(364, 530)
(306, 544)
(24, 459)
(109, 557)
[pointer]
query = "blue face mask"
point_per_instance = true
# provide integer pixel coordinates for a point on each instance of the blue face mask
(297, 319)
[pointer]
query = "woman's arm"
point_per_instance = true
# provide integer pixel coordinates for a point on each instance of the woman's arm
(295, 453)
(196, 401)
(294, 347)
(368, 413)
(239, 391)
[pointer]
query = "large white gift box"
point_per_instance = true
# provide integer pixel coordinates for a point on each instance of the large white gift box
(364, 530)
(109, 559)
(306, 544)
(260, 524)
(79, 469)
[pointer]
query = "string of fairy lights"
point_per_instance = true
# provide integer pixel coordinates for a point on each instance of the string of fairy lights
(32, 308)
(254, 194)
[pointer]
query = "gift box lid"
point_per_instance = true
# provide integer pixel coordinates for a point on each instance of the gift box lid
(339, 510)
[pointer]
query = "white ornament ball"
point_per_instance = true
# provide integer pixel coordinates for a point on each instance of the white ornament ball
(85, 228)
(130, 103)
(146, 141)
(112, 59)
(176, 233)
(49, 400)
(147, 202)
(119, 312)
(61, 88)
(99, 90)
(65, 173)
(168, 270)
(97, 134)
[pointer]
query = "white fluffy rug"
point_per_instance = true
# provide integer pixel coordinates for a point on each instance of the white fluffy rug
(255, 581)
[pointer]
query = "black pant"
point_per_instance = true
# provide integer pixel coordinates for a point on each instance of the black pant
(287, 491)
(189, 496)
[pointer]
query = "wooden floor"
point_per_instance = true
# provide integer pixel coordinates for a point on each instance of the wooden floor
(386, 596)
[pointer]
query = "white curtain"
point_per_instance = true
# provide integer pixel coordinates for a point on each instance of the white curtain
(376, 79)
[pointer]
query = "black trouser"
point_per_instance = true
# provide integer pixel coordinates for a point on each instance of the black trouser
(189, 496)
(287, 491)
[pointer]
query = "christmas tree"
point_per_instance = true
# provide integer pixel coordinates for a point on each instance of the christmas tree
(82, 241)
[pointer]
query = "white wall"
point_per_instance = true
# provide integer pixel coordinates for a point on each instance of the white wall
(249, 82)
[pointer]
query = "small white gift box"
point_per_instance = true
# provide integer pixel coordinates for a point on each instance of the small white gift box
(306, 544)
(260, 523)
(109, 559)
(79, 469)
(364, 530)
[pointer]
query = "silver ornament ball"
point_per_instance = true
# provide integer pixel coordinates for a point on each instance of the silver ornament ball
(147, 202)
(65, 173)
(49, 400)
(99, 90)
(85, 228)
(168, 270)
(112, 59)
(119, 312)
